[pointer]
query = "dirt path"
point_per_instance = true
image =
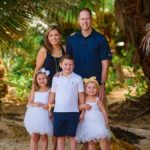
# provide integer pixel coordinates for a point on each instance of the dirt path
(13, 135)
(139, 126)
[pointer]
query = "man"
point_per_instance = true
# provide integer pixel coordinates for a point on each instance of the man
(90, 50)
(91, 53)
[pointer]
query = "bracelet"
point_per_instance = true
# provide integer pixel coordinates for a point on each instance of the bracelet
(50, 106)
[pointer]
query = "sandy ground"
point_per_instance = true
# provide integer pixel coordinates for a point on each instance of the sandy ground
(13, 135)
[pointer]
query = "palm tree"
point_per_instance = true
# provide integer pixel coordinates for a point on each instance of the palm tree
(16, 15)
(133, 18)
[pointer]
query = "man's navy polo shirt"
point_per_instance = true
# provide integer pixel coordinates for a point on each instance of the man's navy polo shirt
(88, 52)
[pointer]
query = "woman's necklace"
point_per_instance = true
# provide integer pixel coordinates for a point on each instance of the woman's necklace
(57, 59)
(57, 63)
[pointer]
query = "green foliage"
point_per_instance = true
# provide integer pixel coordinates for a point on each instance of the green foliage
(136, 83)
(16, 15)
(111, 82)
(20, 75)
(21, 63)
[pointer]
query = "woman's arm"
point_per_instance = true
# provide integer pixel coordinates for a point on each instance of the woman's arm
(39, 62)
(40, 58)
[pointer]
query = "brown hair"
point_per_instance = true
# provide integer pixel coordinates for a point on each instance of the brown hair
(47, 44)
(36, 86)
(85, 9)
(66, 56)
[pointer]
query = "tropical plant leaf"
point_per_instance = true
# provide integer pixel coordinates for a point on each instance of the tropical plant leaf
(11, 84)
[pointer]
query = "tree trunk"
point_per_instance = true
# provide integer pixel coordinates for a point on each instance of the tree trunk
(3, 88)
(132, 17)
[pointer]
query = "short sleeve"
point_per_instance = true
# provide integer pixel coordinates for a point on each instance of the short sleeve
(54, 84)
(105, 53)
(68, 46)
(80, 85)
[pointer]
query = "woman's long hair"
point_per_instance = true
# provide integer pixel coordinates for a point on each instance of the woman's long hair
(47, 44)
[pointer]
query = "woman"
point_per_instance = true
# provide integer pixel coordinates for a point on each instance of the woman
(50, 54)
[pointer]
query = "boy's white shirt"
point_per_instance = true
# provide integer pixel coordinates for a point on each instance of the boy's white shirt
(67, 89)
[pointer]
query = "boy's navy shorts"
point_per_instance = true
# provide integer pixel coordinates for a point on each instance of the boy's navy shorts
(65, 123)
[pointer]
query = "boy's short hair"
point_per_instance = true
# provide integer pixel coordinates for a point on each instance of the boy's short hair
(66, 56)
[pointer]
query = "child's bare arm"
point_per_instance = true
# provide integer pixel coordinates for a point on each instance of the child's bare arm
(84, 107)
(81, 98)
(103, 110)
(51, 100)
(81, 102)
(31, 98)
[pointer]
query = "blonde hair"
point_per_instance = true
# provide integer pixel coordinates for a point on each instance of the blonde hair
(91, 79)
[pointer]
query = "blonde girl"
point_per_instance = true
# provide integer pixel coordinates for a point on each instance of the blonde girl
(94, 126)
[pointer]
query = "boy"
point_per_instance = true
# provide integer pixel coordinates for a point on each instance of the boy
(68, 92)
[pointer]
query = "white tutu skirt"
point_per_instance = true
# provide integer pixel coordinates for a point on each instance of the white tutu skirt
(37, 121)
(93, 127)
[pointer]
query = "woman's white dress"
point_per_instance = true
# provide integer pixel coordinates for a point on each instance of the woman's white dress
(93, 127)
(37, 118)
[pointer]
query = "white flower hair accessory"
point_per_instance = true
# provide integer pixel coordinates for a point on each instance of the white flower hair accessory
(43, 70)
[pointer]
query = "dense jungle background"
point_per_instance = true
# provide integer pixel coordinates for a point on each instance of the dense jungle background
(126, 25)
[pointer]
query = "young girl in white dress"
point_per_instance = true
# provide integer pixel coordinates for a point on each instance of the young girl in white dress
(94, 126)
(36, 120)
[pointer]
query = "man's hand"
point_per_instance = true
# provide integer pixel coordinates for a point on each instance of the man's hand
(102, 92)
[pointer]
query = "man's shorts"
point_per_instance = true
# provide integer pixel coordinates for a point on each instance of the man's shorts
(65, 123)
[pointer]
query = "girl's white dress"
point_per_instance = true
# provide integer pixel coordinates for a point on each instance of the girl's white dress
(37, 118)
(93, 127)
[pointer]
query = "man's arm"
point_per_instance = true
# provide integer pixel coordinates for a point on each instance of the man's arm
(105, 69)
(104, 76)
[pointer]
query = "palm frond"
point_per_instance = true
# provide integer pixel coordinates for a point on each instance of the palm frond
(145, 44)
(12, 84)
(15, 15)
(14, 18)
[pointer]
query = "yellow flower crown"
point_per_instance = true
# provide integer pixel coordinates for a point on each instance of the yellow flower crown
(91, 79)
